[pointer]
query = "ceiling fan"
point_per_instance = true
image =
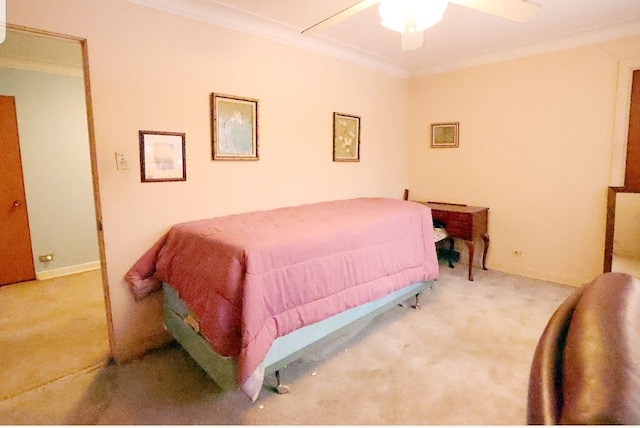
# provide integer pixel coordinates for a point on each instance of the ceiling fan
(411, 17)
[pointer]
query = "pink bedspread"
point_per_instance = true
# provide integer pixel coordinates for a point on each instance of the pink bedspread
(253, 277)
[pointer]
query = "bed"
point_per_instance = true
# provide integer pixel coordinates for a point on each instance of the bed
(246, 294)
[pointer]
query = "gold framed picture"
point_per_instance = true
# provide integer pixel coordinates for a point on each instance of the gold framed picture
(444, 134)
(346, 138)
(234, 122)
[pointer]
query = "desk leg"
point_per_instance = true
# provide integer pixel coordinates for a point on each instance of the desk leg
(471, 246)
(452, 247)
(485, 238)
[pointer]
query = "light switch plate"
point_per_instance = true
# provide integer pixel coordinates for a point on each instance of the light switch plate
(122, 161)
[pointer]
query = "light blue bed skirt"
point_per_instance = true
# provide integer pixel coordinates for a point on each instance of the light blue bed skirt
(285, 349)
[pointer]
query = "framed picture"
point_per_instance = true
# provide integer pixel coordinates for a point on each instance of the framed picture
(162, 156)
(234, 122)
(444, 134)
(346, 138)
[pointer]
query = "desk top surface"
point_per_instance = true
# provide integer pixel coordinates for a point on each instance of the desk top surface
(442, 206)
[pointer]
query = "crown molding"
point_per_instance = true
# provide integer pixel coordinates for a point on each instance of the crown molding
(216, 13)
(566, 41)
(213, 12)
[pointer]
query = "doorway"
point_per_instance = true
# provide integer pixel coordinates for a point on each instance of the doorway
(622, 247)
(47, 76)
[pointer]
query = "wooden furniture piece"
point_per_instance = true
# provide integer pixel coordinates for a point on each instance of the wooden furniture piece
(465, 222)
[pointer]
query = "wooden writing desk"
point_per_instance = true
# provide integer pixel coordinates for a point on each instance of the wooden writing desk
(464, 222)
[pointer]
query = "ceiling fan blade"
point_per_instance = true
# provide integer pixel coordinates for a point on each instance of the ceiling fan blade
(515, 10)
(411, 41)
(343, 14)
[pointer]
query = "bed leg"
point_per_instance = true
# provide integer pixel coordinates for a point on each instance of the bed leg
(280, 388)
(417, 305)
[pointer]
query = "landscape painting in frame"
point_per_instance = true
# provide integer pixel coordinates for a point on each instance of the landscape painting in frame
(346, 138)
(235, 127)
(162, 156)
(444, 134)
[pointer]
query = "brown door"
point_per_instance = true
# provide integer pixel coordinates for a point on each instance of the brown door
(632, 171)
(16, 259)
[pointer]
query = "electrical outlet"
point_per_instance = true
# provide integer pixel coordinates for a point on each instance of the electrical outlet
(122, 161)
(45, 258)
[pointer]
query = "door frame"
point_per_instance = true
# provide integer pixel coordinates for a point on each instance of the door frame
(619, 152)
(621, 120)
(93, 161)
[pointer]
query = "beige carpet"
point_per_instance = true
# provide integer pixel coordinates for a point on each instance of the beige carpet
(49, 329)
(463, 358)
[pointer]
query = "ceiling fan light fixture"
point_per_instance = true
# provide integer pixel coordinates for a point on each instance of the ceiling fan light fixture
(411, 15)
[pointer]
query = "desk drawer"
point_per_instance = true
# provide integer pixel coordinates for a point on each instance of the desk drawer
(460, 233)
(453, 219)
(459, 225)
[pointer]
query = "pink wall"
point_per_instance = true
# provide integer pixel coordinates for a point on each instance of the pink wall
(154, 71)
(536, 141)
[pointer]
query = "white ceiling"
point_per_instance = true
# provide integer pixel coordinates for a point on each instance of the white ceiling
(464, 37)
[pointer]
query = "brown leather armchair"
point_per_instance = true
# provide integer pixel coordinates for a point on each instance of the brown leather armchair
(586, 367)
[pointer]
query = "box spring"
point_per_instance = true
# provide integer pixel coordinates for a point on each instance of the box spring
(285, 349)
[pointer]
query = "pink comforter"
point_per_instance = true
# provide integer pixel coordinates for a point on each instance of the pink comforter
(253, 277)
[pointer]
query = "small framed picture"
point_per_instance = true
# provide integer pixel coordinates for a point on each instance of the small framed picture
(234, 122)
(346, 138)
(444, 134)
(162, 156)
